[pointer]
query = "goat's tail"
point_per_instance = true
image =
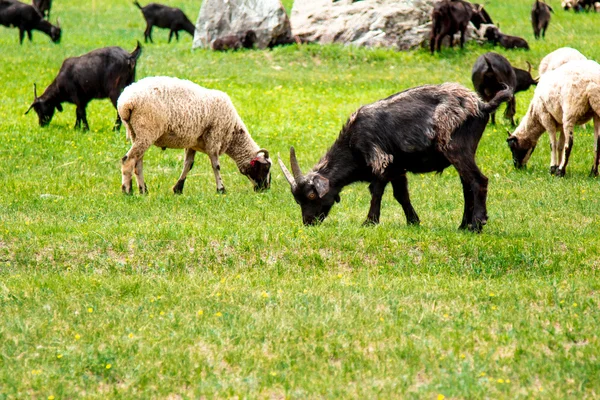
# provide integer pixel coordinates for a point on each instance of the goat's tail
(137, 4)
(499, 98)
(135, 54)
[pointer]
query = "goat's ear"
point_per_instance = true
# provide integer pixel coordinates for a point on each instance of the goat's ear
(321, 185)
(337, 198)
(59, 107)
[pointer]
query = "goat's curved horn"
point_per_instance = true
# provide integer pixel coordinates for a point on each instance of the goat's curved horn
(34, 92)
(295, 167)
(509, 134)
(29, 109)
(529, 66)
(287, 173)
(480, 8)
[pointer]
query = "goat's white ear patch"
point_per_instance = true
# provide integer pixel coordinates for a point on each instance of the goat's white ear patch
(321, 185)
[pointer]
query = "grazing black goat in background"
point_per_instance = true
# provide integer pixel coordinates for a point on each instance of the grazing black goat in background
(493, 34)
(540, 18)
(165, 17)
(44, 7)
(492, 73)
(235, 42)
(422, 129)
(27, 18)
(98, 74)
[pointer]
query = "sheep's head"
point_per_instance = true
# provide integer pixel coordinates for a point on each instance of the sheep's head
(311, 191)
(43, 108)
(55, 32)
(521, 149)
(259, 171)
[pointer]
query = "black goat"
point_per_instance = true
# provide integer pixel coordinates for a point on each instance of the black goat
(494, 35)
(540, 18)
(480, 16)
(165, 17)
(492, 73)
(235, 42)
(44, 7)
(448, 18)
(422, 129)
(27, 18)
(98, 74)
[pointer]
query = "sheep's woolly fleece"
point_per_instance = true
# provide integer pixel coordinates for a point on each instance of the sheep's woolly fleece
(558, 58)
(176, 113)
(568, 95)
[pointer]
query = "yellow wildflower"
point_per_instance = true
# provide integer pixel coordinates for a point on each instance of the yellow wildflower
(108, 366)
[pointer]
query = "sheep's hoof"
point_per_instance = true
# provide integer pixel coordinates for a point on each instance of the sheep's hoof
(143, 189)
(221, 191)
(560, 172)
(553, 169)
(371, 222)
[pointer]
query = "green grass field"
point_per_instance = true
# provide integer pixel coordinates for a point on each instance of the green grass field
(162, 296)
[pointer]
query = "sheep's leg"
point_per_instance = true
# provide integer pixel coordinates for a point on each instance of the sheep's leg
(81, 118)
(139, 175)
(214, 160)
(594, 171)
(188, 164)
(554, 150)
(128, 163)
(566, 150)
(377, 188)
(400, 187)
(475, 182)
(467, 220)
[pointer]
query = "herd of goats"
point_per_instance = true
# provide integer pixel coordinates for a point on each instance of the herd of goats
(422, 129)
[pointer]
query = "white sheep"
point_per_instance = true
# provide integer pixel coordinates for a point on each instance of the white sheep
(565, 97)
(178, 114)
(559, 57)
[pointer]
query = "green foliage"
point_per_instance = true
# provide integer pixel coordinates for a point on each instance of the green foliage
(103, 295)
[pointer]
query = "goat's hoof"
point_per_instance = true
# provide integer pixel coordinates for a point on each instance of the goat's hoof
(221, 191)
(553, 169)
(178, 188)
(413, 222)
(126, 190)
(593, 173)
(476, 227)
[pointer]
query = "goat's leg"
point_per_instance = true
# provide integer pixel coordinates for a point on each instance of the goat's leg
(139, 175)
(188, 164)
(477, 184)
(129, 162)
(214, 161)
(29, 36)
(594, 171)
(493, 117)
(467, 220)
(400, 187)
(511, 110)
(21, 35)
(170, 35)
(113, 98)
(177, 35)
(566, 150)
(377, 188)
(462, 38)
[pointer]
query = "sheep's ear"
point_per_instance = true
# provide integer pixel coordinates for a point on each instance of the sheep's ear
(59, 107)
(512, 142)
(265, 154)
(321, 185)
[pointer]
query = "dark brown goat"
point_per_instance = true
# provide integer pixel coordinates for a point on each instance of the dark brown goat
(165, 17)
(98, 74)
(423, 129)
(492, 73)
(44, 7)
(448, 18)
(540, 18)
(27, 18)
(494, 35)
(235, 42)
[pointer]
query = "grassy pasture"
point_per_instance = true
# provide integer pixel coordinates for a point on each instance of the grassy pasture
(163, 296)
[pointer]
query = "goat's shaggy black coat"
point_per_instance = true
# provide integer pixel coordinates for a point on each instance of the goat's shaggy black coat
(27, 18)
(492, 73)
(540, 18)
(44, 7)
(98, 74)
(448, 18)
(494, 35)
(165, 17)
(423, 129)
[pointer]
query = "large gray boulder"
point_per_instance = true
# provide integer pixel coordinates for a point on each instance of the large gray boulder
(400, 24)
(220, 18)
